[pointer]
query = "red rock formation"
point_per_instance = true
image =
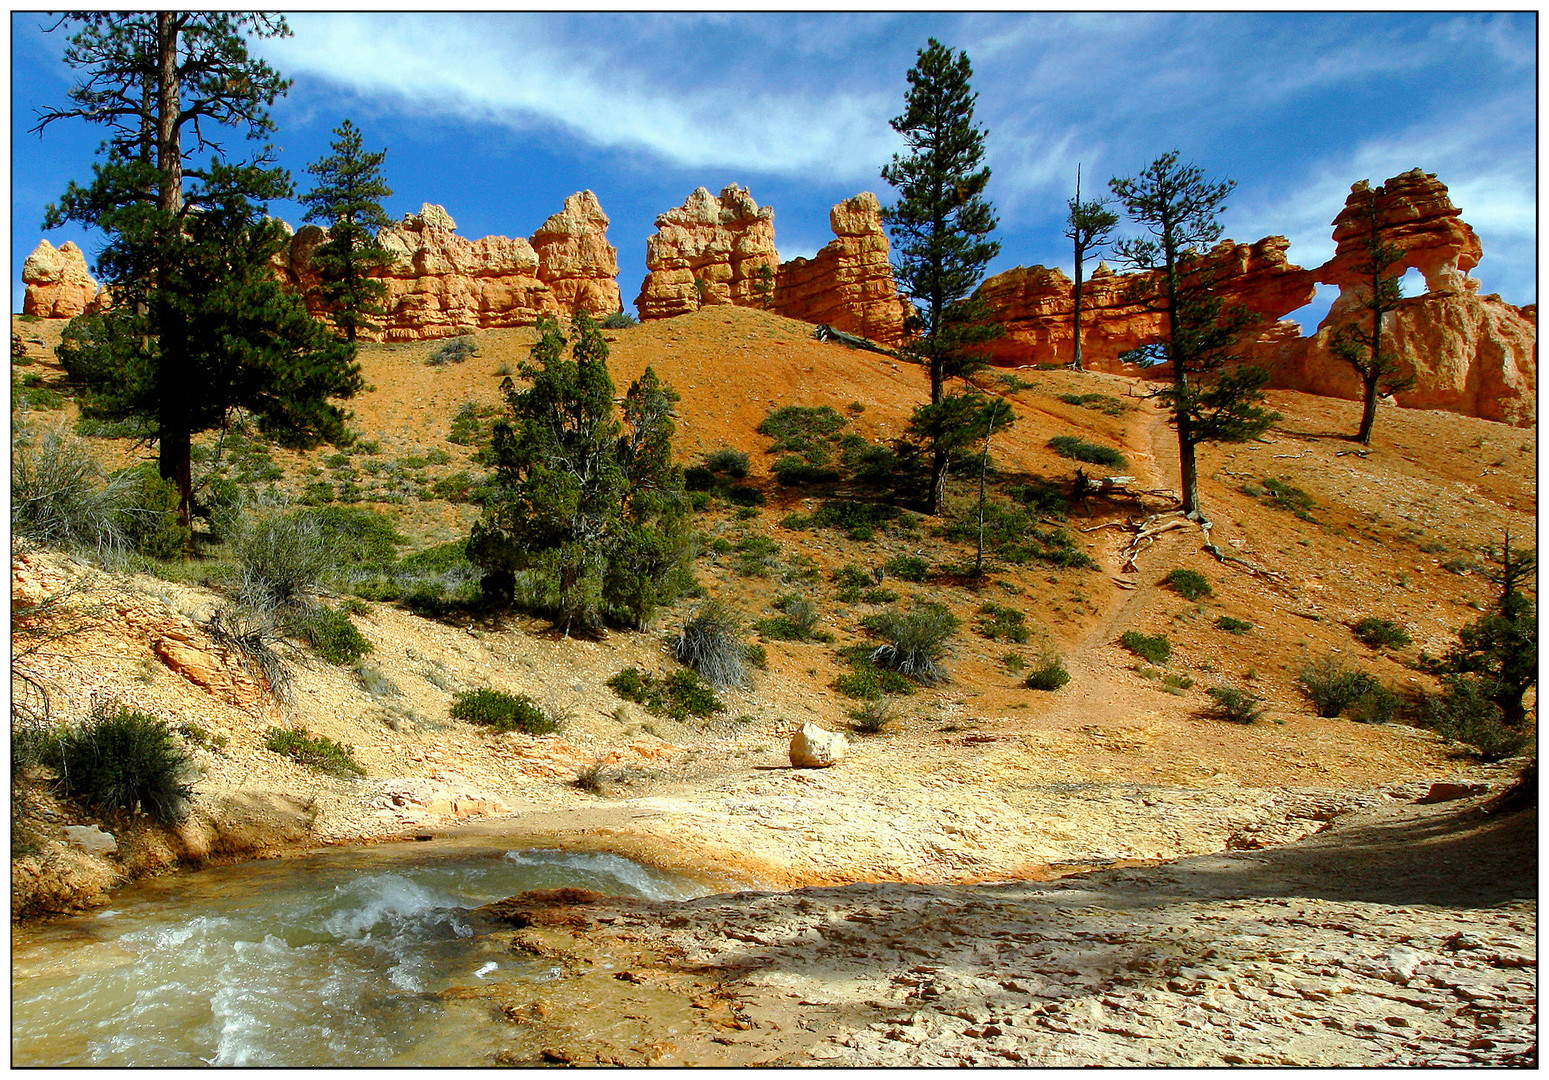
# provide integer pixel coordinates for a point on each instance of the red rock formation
(1419, 219)
(59, 286)
(576, 260)
(1036, 305)
(721, 243)
(1469, 354)
(442, 285)
(849, 284)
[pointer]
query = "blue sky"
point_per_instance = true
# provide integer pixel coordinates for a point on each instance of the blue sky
(499, 116)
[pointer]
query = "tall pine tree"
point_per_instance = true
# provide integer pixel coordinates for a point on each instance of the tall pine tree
(1212, 398)
(940, 226)
(1359, 342)
(348, 202)
(199, 328)
(1088, 225)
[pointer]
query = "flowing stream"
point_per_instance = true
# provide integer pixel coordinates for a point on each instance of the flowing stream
(331, 960)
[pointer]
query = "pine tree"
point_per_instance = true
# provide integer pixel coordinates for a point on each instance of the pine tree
(597, 512)
(1089, 226)
(199, 329)
(1501, 646)
(347, 200)
(939, 227)
(1379, 293)
(1211, 399)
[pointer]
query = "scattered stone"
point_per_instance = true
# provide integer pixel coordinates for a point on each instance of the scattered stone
(813, 747)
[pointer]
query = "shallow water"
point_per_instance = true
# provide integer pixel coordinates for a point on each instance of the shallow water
(331, 960)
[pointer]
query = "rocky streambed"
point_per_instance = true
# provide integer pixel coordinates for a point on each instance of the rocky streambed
(1402, 935)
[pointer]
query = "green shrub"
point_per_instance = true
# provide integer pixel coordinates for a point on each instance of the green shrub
(793, 471)
(1011, 534)
(907, 568)
(619, 320)
(58, 496)
(916, 641)
(331, 634)
(798, 428)
(453, 352)
(1233, 626)
(1078, 449)
(1014, 662)
(678, 696)
(744, 495)
(1332, 686)
(120, 760)
(798, 620)
(698, 478)
(878, 596)
(1376, 633)
(796, 522)
(1379, 705)
(711, 643)
(281, 559)
(1042, 498)
(1003, 622)
(1156, 649)
(1283, 495)
(1464, 713)
(502, 711)
(1048, 672)
(148, 514)
(873, 717)
(1103, 403)
(728, 462)
(1189, 584)
(755, 555)
(314, 751)
(1234, 704)
(847, 515)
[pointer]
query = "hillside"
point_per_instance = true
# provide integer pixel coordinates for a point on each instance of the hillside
(976, 778)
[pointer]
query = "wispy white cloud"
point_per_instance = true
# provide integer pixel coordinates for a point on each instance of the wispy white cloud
(515, 72)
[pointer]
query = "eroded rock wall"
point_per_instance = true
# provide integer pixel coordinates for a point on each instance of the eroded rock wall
(711, 250)
(849, 284)
(442, 284)
(1036, 305)
(1470, 354)
(58, 283)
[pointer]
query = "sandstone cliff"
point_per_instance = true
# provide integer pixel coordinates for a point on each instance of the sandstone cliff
(1470, 354)
(443, 285)
(711, 250)
(849, 284)
(59, 286)
(1036, 305)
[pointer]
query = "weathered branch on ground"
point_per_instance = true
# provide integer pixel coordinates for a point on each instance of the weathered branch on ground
(1252, 568)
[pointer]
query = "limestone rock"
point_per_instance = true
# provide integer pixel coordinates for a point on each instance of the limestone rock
(814, 748)
(576, 260)
(1470, 354)
(207, 665)
(721, 241)
(849, 284)
(59, 285)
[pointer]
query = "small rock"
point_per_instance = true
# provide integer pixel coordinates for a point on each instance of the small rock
(814, 748)
(91, 838)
